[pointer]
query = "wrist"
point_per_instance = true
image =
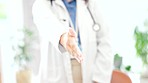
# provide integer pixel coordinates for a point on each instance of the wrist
(63, 39)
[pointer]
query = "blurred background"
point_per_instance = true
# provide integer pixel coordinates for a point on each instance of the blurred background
(19, 40)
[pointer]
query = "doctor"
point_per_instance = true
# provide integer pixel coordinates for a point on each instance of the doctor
(75, 43)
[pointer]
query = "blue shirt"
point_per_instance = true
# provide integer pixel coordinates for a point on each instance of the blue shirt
(71, 8)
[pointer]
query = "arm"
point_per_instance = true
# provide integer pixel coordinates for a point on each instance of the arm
(104, 59)
(50, 28)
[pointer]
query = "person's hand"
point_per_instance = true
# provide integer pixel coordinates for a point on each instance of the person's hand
(69, 42)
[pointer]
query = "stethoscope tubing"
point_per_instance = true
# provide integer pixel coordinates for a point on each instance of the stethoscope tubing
(96, 27)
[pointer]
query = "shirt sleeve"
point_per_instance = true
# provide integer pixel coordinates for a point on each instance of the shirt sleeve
(48, 25)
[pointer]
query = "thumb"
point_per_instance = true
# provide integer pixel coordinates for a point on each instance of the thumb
(72, 32)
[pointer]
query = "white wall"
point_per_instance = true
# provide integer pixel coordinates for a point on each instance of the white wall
(123, 16)
(8, 30)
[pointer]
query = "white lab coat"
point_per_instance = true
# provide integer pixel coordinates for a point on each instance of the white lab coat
(52, 21)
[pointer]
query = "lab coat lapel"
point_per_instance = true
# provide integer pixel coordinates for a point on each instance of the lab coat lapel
(60, 3)
(80, 22)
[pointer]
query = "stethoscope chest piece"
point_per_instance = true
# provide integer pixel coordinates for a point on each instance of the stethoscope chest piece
(96, 27)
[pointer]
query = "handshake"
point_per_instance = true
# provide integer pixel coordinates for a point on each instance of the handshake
(69, 42)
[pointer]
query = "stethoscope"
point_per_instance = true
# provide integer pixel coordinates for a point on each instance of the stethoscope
(96, 27)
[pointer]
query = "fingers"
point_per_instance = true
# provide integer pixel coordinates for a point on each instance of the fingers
(78, 55)
(75, 51)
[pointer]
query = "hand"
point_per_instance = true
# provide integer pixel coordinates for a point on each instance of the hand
(69, 42)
